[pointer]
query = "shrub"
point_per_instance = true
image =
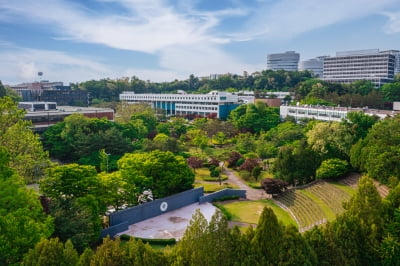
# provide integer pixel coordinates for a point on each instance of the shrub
(225, 198)
(214, 173)
(256, 172)
(332, 168)
(227, 214)
(233, 158)
(151, 241)
(249, 165)
(239, 162)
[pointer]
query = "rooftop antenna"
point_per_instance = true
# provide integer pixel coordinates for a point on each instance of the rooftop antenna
(40, 74)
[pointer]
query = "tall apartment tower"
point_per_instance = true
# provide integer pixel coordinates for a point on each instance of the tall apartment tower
(288, 61)
(315, 66)
(373, 65)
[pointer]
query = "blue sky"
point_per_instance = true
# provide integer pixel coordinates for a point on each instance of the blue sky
(163, 40)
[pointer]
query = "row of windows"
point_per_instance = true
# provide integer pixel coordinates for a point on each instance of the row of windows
(317, 112)
(155, 98)
(194, 107)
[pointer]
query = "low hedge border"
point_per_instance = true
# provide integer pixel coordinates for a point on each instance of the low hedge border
(214, 179)
(227, 214)
(151, 241)
(225, 198)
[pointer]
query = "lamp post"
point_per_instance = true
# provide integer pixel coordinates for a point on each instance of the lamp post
(107, 154)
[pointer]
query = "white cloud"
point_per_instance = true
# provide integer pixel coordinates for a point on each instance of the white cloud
(393, 25)
(148, 27)
(21, 64)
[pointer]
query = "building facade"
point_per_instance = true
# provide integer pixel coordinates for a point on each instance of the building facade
(214, 104)
(51, 92)
(287, 61)
(45, 114)
(372, 65)
(327, 113)
(315, 66)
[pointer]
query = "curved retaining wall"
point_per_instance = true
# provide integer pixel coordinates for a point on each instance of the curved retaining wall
(120, 221)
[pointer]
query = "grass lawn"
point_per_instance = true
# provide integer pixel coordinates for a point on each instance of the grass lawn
(349, 190)
(203, 173)
(250, 211)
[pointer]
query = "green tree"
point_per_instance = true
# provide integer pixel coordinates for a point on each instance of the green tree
(254, 117)
(391, 91)
(3, 91)
(115, 191)
(268, 240)
(378, 154)
(162, 172)
(77, 220)
(22, 220)
(51, 252)
(23, 146)
(360, 123)
(110, 253)
(296, 164)
(70, 181)
(332, 168)
(197, 138)
(284, 133)
(80, 137)
(330, 140)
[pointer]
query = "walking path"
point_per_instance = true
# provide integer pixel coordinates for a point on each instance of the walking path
(251, 193)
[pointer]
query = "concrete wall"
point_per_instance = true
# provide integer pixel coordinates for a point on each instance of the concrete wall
(154, 208)
(223, 193)
(113, 230)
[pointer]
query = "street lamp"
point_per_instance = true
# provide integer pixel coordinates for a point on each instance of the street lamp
(107, 154)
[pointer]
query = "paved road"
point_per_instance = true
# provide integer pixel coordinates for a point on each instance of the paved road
(251, 193)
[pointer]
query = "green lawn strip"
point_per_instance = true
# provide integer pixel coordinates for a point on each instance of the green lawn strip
(213, 187)
(202, 173)
(250, 211)
(328, 213)
(265, 174)
(349, 190)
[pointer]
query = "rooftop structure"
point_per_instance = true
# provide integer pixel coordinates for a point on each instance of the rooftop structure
(376, 66)
(45, 114)
(288, 61)
(214, 104)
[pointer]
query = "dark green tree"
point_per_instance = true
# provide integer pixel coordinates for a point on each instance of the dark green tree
(162, 172)
(3, 91)
(51, 252)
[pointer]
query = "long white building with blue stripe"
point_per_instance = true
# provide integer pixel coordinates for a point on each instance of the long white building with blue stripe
(214, 104)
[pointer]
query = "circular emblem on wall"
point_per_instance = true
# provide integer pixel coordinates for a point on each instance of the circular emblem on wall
(163, 206)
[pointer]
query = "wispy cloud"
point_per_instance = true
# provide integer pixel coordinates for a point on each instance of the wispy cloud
(149, 26)
(185, 39)
(286, 19)
(393, 25)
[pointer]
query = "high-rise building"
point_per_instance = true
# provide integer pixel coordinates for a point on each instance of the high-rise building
(288, 61)
(373, 65)
(315, 66)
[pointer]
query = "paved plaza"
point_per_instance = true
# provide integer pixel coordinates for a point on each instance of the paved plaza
(171, 224)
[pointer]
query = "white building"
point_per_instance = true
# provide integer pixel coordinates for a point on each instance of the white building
(326, 113)
(373, 65)
(214, 104)
(315, 66)
(288, 61)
